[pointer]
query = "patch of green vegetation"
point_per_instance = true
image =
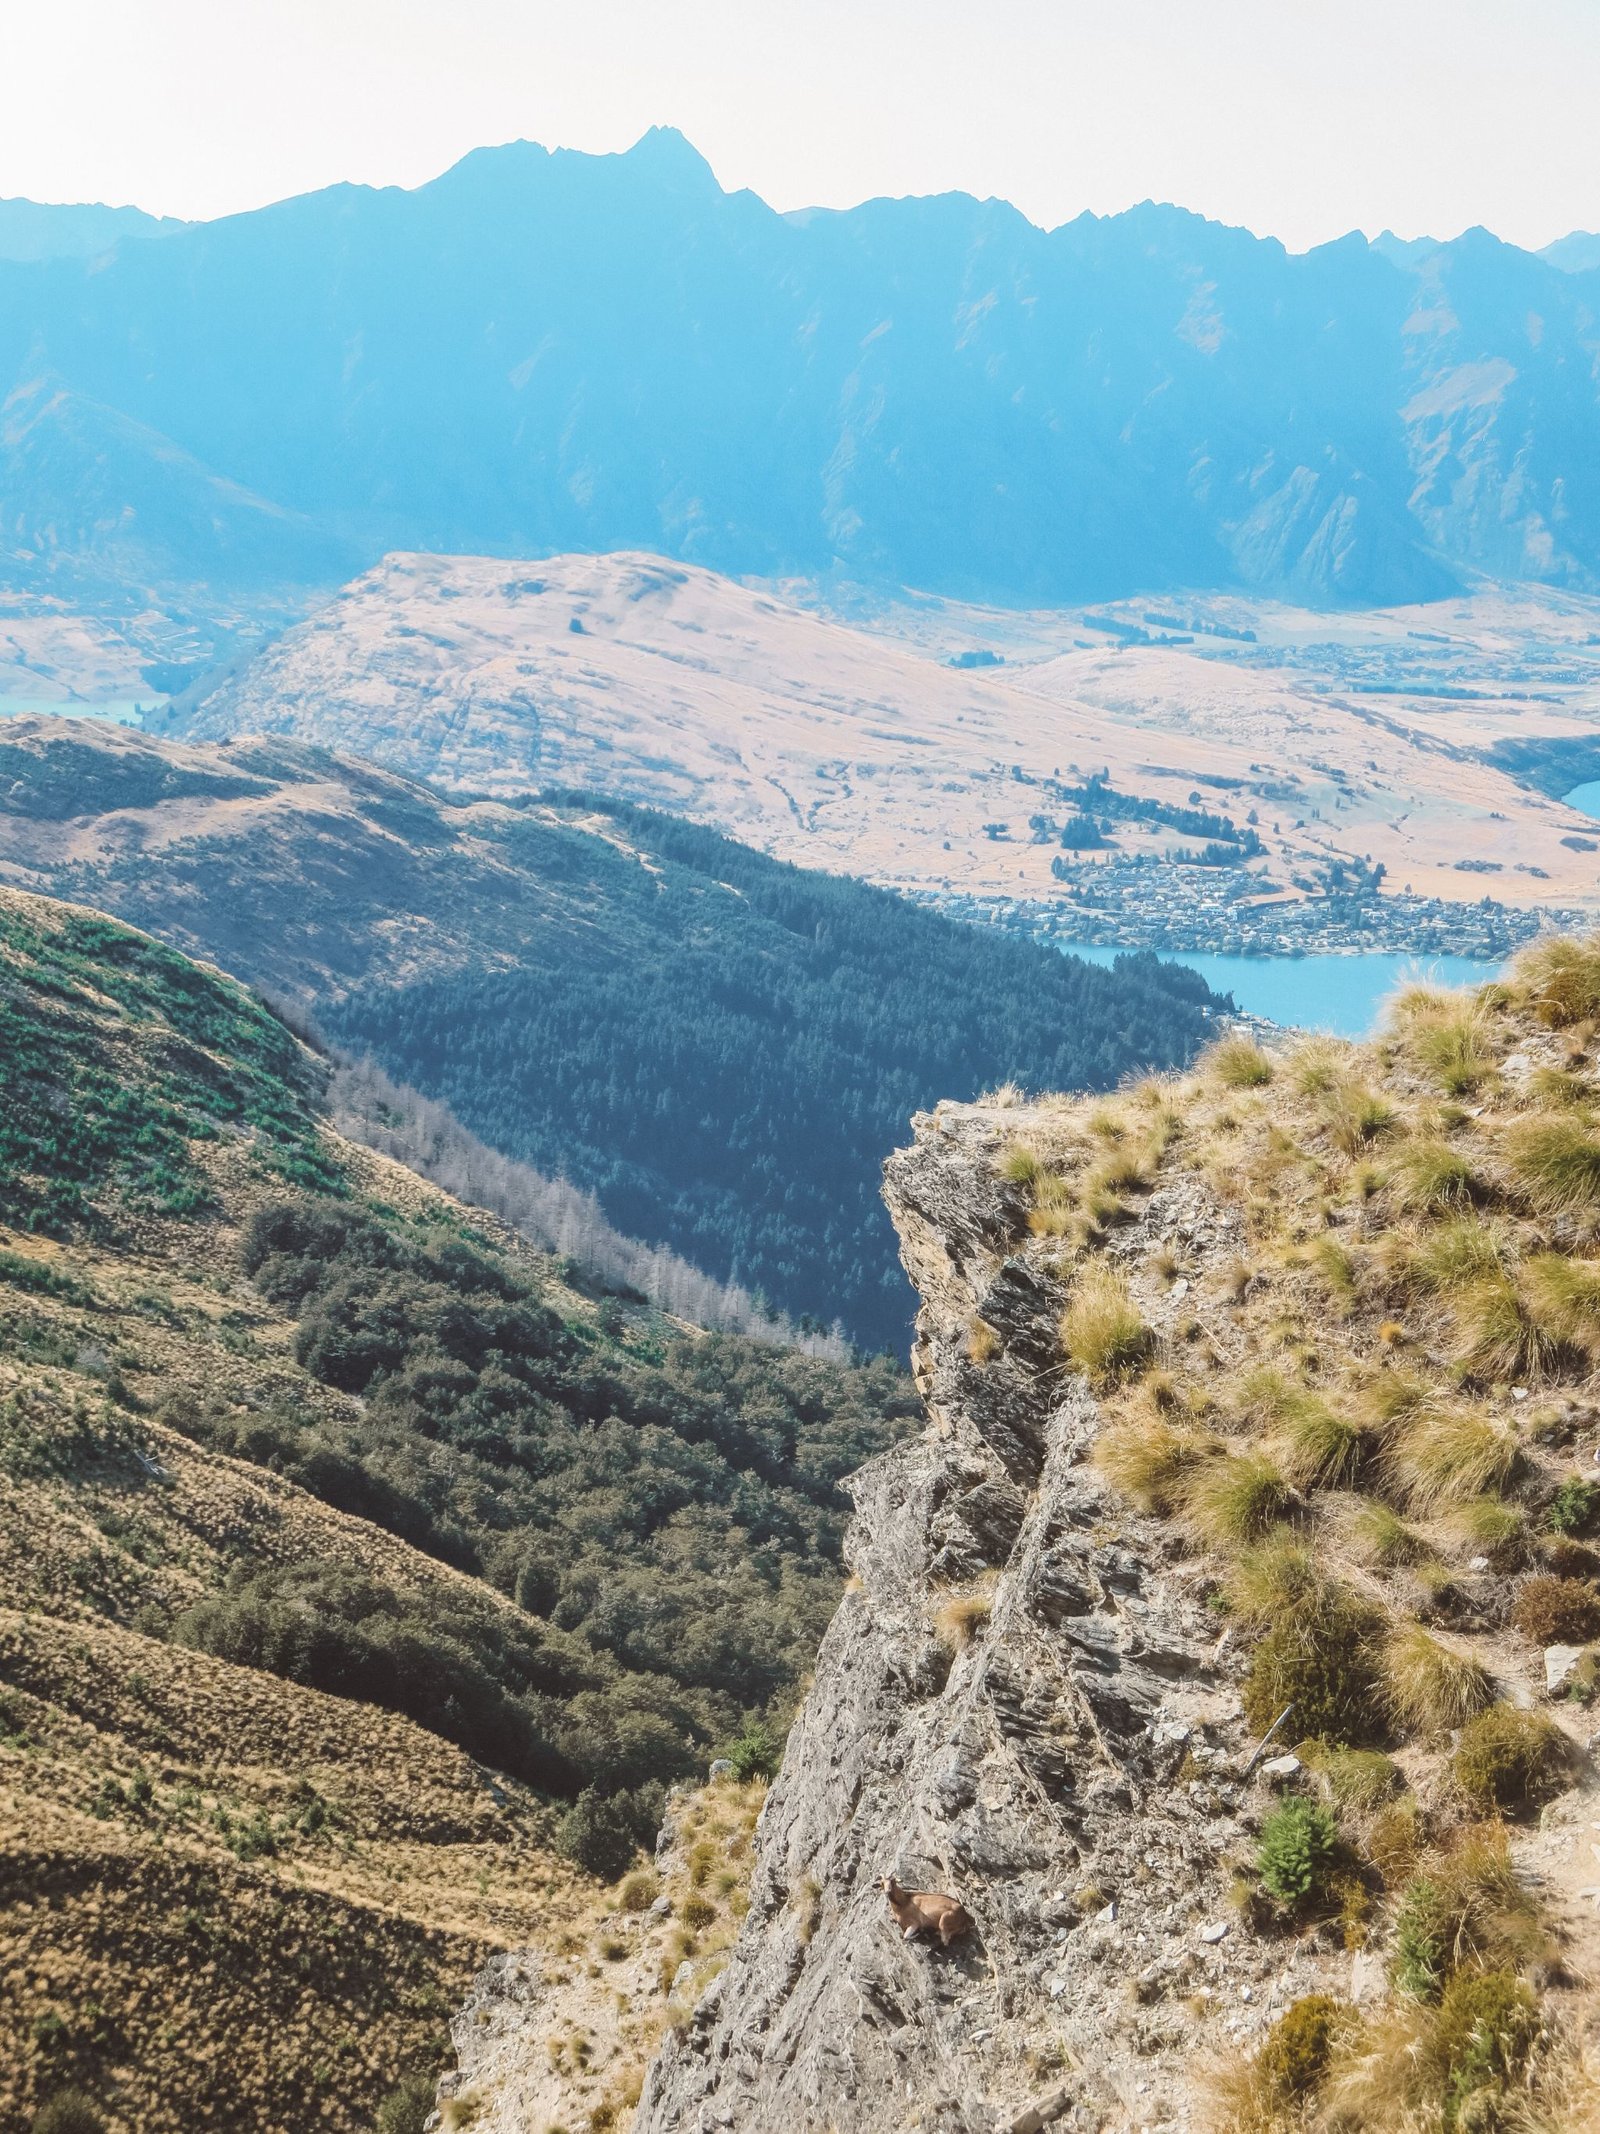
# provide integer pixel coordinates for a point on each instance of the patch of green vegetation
(1509, 1760)
(669, 1523)
(1487, 2024)
(1299, 1843)
(1574, 1507)
(116, 1055)
(1321, 1660)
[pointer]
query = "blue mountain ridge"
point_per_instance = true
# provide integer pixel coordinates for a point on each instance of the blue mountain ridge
(546, 350)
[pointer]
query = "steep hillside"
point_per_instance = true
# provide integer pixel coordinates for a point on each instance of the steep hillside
(358, 1574)
(720, 1046)
(1228, 1644)
(539, 352)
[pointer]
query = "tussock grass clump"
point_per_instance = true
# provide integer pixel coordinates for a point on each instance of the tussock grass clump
(1320, 1446)
(1149, 1459)
(1429, 1687)
(1359, 1781)
(1554, 1165)
(1558, 1611)
(1237, 1062)
(1238, 1497)
(1020, 1165)
(1500, 1335)
(639, 1890)
(958, 1619)
(1558, 980)
(1355, 1117)
(982, 1340)
(1431, 1177)
(1560, 1088)
(1101, 1330)
(1445, 1454)
(1508, 1761)
(1056, 1210)
(1386, 1538)
(1318, 1065)
(1464, 1908)
(1563, 1295)
(1487, 1526)
(1274, 1577)
(1460, 1253)
(1446, 1034)
(1321, 1659)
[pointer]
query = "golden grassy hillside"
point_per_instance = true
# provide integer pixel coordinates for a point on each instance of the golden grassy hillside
(1342, 1306)
(225, 1899)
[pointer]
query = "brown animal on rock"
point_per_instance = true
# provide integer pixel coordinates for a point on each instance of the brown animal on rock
(919, 1910)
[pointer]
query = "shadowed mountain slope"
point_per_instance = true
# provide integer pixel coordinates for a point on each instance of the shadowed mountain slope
(722, 1047)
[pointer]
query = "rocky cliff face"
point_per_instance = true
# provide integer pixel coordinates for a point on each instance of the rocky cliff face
(1075, 1773)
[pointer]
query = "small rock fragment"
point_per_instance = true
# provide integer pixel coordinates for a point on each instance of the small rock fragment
(1560, 1661)
(1216, 1933)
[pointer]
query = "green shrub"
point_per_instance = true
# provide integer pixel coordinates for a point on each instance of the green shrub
(1508, 1760)
(1486, 2025)
(408, 2106)
(1321, 1660)
(756, 1754)
(1421, 1948)
(595, 1835)
(1298, 2048)
(1573, 1508)
(68, 2112)
(1298, 1842)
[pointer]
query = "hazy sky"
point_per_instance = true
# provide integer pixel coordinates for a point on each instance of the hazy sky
(1297, 117)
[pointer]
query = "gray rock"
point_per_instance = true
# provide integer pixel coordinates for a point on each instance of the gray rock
(1560, 1664)
(1033, 1775)
(721, 1768)
(1278, 1770)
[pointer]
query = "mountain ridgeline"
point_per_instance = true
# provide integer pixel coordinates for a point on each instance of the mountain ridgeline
(540, 352)
(721, 1046)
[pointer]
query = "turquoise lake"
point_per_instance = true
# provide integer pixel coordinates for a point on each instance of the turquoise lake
(1339, 993)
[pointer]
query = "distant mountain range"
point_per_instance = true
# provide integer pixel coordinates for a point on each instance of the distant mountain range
(552, 351)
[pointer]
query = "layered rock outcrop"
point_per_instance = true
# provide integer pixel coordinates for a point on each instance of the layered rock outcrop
(1068, 1757)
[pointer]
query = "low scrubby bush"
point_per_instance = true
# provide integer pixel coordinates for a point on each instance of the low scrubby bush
(1298, 2048)
(1557, 1611)
(1486, 2026)
(1322, 1661)
(1508, 1760)
(1299, 1841)
(408, 2106)
(68, 2112)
